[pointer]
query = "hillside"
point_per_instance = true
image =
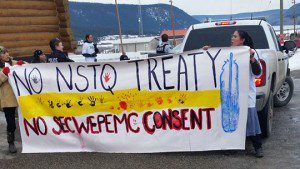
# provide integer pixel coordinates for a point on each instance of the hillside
(202, 18)
(100, 19)
(272, 16)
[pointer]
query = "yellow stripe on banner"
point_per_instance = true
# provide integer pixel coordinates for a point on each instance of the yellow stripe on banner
(78, 104)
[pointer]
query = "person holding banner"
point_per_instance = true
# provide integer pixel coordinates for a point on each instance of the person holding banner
(8, 100)
(57, 54)
(253, 131)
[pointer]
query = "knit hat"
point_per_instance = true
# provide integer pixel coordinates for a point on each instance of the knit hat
(3, 50)
(53, 43)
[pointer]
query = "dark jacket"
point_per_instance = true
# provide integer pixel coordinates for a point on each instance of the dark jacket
(58, 56)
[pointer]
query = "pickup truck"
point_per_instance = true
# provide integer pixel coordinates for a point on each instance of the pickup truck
(274, 86)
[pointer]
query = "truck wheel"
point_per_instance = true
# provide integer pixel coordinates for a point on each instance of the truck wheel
(266, 117)
(285, 93)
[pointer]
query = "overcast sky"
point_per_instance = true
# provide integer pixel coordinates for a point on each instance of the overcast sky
(211, 7)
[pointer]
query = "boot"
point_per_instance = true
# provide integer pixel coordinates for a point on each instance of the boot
(11, 140)
(259, 153)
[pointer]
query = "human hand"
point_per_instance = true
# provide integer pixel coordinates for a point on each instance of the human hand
(206, 47)
(20, 62)
(6, 70)
(252, 52)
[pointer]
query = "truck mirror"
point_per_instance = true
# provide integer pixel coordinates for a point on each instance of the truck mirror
(290, 45)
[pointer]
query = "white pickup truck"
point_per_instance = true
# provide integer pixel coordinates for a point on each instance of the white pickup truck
(274, 86)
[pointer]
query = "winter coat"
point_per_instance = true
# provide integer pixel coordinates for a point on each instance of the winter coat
(7, 96)
(89, 49)
(58, 56)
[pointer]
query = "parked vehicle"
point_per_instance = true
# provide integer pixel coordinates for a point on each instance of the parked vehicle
(274, 86)
(297, 41)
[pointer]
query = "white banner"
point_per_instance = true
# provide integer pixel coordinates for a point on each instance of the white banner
(195, 101)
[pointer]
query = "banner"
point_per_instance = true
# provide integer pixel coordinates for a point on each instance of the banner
(195, 101)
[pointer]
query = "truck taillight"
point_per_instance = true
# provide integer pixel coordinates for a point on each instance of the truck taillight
(261, 80)
(225, 23)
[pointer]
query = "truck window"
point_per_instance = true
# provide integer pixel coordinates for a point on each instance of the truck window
(221, 37)
(275, 39)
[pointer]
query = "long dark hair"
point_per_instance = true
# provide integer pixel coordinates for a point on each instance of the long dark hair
(248, 40)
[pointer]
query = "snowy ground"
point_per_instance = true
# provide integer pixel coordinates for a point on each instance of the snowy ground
(295, 61)
(110, 57)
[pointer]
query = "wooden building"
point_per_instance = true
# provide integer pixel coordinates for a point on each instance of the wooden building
(26, 25)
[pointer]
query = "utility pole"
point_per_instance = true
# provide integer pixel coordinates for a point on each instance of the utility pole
(230, 9)
(173, 22)
(294, 16)
(281, 16)
(119, 28)
(140, 19)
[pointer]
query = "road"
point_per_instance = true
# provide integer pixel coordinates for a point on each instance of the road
(282, 150)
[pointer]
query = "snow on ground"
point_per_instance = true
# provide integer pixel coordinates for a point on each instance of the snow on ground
(111, 57)
(294, 61)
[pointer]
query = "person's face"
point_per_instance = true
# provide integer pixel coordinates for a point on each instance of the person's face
(90, 38)
(236, 39)
(4, 57)
(42, 57)
(60, 47)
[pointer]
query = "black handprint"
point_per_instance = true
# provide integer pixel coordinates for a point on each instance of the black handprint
(92, 99)
(51, 104)
(80, 102)
(58, 104)
(68, 104)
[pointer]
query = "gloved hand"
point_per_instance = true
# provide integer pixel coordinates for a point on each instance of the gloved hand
(20, 62)
(96, 49)
(6, 70)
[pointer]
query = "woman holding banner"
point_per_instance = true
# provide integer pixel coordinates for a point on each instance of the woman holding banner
(8, 100)
(253, 131)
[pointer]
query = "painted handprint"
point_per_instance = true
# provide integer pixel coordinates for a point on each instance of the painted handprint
(101, 99)
(80, 102)
(159, 100)
(51, 104)
(40, 101)
(170, 100)
(58, 104)
(35, 79)
(182, 99)
(229, 85)
(68, 104)
(93, 100)
(107, 77)
(141, 104)
(123, 105)
(149, 104)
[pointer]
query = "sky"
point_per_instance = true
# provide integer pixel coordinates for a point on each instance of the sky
(211, 7)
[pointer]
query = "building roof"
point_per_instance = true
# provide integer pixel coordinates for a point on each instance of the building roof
(131, 40)
(178, 33)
